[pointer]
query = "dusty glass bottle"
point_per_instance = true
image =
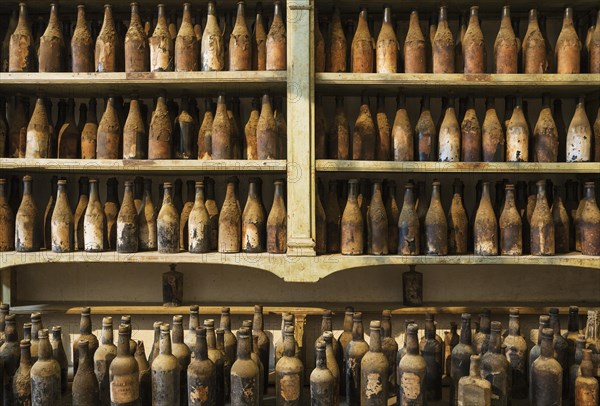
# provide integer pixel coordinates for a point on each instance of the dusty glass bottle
(473, 389)
(127, 222)
(387, 46)
(137, 53)
(201, 374)
(337, 53)
(586, 386)
(21, 46)
(333, 216)
(276, 227)
(510, 225)
(425, 132)
(27, 227)
(432, 349)
(364, 134)
(52, 44)
(135, 140)
(244, 373)
(85, 384)
(354, 353)
(402, 134)
(492, 134)
(361, 55)
(516, 354)
(183, 354)
(109, 133)
(458, 223)
(374, 369)
(147, 220)
(443, 45)
(228, 343)
(165, 372)
(589, 222)
(199, 224)
(351, 230)
(94, 222)
(89, 133)
(38, 132)
(560, 217)
(471, 138)
(62, 221)
(561, 350)
(185, 215)
(460, 359)
(229, 221)
(377, 243)
(579, 135)
(436, 226)
(473, 46)
(546, 374)
(542, 226)
(517, 135)
(344, 339)
(481, 339)
(160, 132)
(382, 142)
(82, 44)
(186, 47)
(545, 135)
(85, 333)
(322, 381)
(414, 46)
(212, 46)
(494, 367)
(485, 228)
(568, 46)
(389, 347)
(534, 47)
(161, 45)
(289, 373)
(45, 374)
(266, 135)
(106, 58)
(217, 356)
(449, 147)
(21, 383)
(78, 215)
(167, 223)
(240, 46)
(575, 364)
(411, 371)
(276, 44)
(103, 358)
(124, 373)
(10, 352)
(7, 221)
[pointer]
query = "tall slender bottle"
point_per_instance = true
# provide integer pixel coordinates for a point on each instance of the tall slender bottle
(506, 46)
(276, 42)
(579, 135)
(377, 223)
(240, 46)
(408, 225)
(85, 333)
(426, 134)
(322, 381)
(106, 58)
(461, 357)
(473, 46)
(374, 370)
(542, 226)
(492, 134)
(45, 374)
(593, 48)
(387, 45)
(458, 222)
(516, 354)
(414, 47)
(245, 373)
(127, 222)
(362, 46)
(160, 135)
(52, 44)
(355, 351)
(402, 134)
(222, 132)
(443, 45)
(568, 46)
(201, 374)
(432, 350)
(411, 371)
(135, 139)
(89, 133)
(165, 372)
(589, 222)
(82, 50)
(266, 137)
(336, 57)
(161, 44)
(85, 384)
(352, 223)
(10, 352)
(436, 226)
(587, 391)
(534, 47)
(21, 386)
(510, 225)
(38, 132)
(62, 221)
(212, 47)
(103, 358)
(167, 223)
(494, 366)
(382, 144)
(186, 48)
(546, 374)
(7, 221)
(517, 135)
(147, 220)
(137, 52)
(27, 227)
(485, 228)
(471, 138)
(276, 240)
(108, 133)
(545, 135)
(449, 147)
(21, 46)
(229, 221)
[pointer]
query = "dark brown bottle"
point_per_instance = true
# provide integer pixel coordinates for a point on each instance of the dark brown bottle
(183, 354)
(320, 130)
(85, 384)
(354, 353)
(458, 223)
(485, 228)
(436, 226)
(229, 344)
(443, 45)
(222, 133)
(568, 46)
(322, 381)
(412, 370)
(593, 48)
(217, 356)
(473, 46)
(387, 46)
(494, 366)
(21, 383)
(127, 222)
(147, 220)
(546, 374)
(432, 349)
(542, 226)
(26, 223)
(402, 134)
(351, 230)
(106, 57)
(7, 221)
(58, 353)
(425, 132)
(161, 132)
(161, 44)
(89, 133)
(187, 48)
(184, 132)
(137, 51)
(276, 43)
(560, 218)
(266, 137)
(481, 339)
(382, 144)
(492, 135)
(276, 241)
(510, 225)
(165, 372)
(361, 57)
(534, 353)
(392, 214)
(471, 138)
(319, 42)
(52, 45)
(94, 226)
(408, 225)
(213, 212)
(364, 136)
(82, 46)
(333, 216)
(259, 40)
(244, 373)
(586, 386)
(545, 135)
(561, 350)
(109, 133)
(459, 62)
(377, 223)
(389, 347)
(575, 363)
(460, 359)
(516, 354)
(534, 47)
(62, 221)
(78, 215)
(336, 56)
(38, 132)
(21, 56)
(10, 352)
(85, 334)
(517, 135)
(124, 372)
(46, 229)
(135, 139)
(45, 374)
(201, 374)
(589, 222)
(168, 223)
(414, 47)
(111, 210)
(250, 130)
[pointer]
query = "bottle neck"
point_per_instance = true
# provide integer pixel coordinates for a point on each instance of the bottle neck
(107, 334)
(85, 324)
(465, 331)
(568, 18)
(257, 321)
(495, 344)
(167, 197)
(201, 349)
(514, 325)
(357, 330)
(194, 321)
(352, 192)
(475, 367)
(135, 15)
(123, 345)
(435, 194)
(279, 190)
(25, 355)
(375, 340)
(386, 327)
(243, 347)
(589, 191)
(547, 349)
(187, 16)
(348, 322)
(108, 18)
(241, 13)
(321, 362)
(555, 323)
(165, 342)
(177, 333)
(509, 198)
(81, 23)
(574, 320)
(289, 345)
(10, 332)
(387, 15)
(474, 17)
(326, 324)
(412, 343)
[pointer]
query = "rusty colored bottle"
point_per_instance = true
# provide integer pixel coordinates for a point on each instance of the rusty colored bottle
(471, 137)
(534, 47)
(485, 228)
(222, 133)
(408, 225)
(494, 367)
(336, 57)
(393, 215)
(473, 47)
(135, 139)
(458, 223)
(111, 210)
(94, 226)
(259, 41)
(183, 355)
(106, 51)
(516, 354)
(449, 138)
(240, 45)
(253, 220)
(250, 130)
(443, 45)
(85, 334)
(517, 135)
(244, 373)
(589, 222)
(199, 224)
(109, 133)
(374, 369)
(38, 132)
(165, 372)
(382, 144)
(351, 230)
(79, 214)
(354, 353)
(402, 134)
(124, 373)
(161, 44)
(52, 45)
(387, 45)
(510, 225)
(546, 374)
(593, 47)
(568, 46)
(364, 135)
(212, 47)
(473, 389)
(17, 128)
(587, 391)
(21, 46)
(45, 374)
(82, 46)
(266, 137)
(411, 371)
(147, 220)
(506, 46)
(201, 374)
(276, 44)
(167, 223)
(542, 226)
(186, 47)
(414, 47)
(560, 217)
(137, 53)
(62, 221)
(362, 46)
(579, 135)
(205, 133)
(68, 135)
(425, 133)
(545, 135)
(377, 223)
(89, 133)
(319, 42)
(27, 227)
(320, 130)
(213, 212)
(7, 221)
(436, 226)
(230, 221)
(333, 216)
(85, 384)
(460, 358)
(103, 358)
(127, 222)
(276, 241)
(21, 383)
(161, 132)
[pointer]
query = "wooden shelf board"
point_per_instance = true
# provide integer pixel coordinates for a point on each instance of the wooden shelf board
(289, 268)
(146, 84)
(457, 84)
(332, 165)
(112, 166)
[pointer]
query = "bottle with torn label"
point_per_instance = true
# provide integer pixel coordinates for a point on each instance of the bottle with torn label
(106, 58)
(494, 366)
(579, 135)
(134, 133)
(374, 370)
(137, 53)
(517, 135)
(161, 132)
(124, 373)
(411, 371)
(201, 374)
(187, 48)
(212, 47)
(161, 44)
(245, 373)
(516, 354)
(587, 391)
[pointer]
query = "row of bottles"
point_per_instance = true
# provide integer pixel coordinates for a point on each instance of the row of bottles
(195, 224)
(211, 366)
(540, 221)
(124, 131)
(140, 47)
(458, 136)
(439, 50)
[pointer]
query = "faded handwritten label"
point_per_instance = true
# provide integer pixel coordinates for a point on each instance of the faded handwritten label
(124, 388)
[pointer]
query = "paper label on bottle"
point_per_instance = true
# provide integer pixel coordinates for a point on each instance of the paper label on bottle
(290, 387)
(411, 385)
(199, 394)
(374, 386)
(586, 396)
(124, 388)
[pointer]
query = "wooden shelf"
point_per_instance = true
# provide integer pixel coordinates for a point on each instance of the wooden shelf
(332, 165)
(531, 85)
(130, 166)
(147, 84)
